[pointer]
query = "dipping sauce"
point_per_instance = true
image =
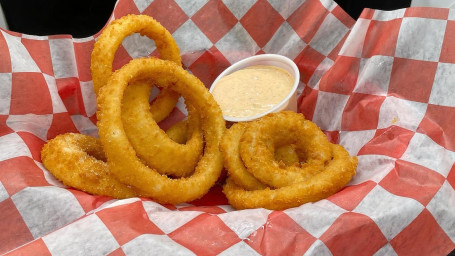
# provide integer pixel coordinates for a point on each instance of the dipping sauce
(252, 90)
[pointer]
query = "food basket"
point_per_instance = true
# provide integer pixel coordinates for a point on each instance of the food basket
(382, 86)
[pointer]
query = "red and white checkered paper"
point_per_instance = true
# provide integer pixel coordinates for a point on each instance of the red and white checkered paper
(383, 86)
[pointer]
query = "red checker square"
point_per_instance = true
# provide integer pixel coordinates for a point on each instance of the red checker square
(209, 65)
(438, 125)
(30, 94)
(61, 123)
(311, 10)
(412, 79)
(128, 221)
(307, 102)
(175, 116)
(281, 235)
(33, 143)
(21, 172)
(160, 10)
(213, 198)
(423, 236)
(342, 16)
(448, 47)
(261, 15)
(117, 252)
(14, 230)
(342, 76)
(349, 197)
(206, 209)
(37, 247)
(206, 234)
(220, 17)
(361, 112)
(121, 58)
(307, 62)
(391, 141)
(429, 13)
(4, 129)
(413, 181)
(89, 202)
(332, 136)
(451, 177)
(83, 51)
(5, 64)
(40, 51)
(60, 36)
(70, 92)
(351, 227)
(367, 14)
(381, 38)
(125, 7)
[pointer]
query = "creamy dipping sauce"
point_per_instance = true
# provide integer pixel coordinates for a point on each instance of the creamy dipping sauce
(253, 90)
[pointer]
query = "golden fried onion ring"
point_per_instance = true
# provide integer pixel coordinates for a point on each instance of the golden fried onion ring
(110, 39)
(262, 136)
(121, 156)
(78, 161)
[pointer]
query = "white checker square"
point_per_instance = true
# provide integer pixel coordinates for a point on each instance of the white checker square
(401, 211)
(3, 193)
(191, 7)
(420, 39)
(12, 145)
(329, 4)
(35, 124)
(63, 57)
(240, 248)
(442, 209)
(118, 202)
(84, 125)
(138, 46)
(451, 14)
(401, 112)
(142, 4)
(353, 45)
(57, 103)
(374, 75)
(150, 244)
(315, 218)
(443, 90)
(5, 92)
(21, 61)
(328, 35)
(388, 15)
(424, 151)
(87, 236)
(179, 218)
(245, 222)
(353, 141)
(321, 69)
(238, 8)
(34, 37)
(45, 209)
(372, 167)
(285, 8)
(329, 109)
(89, 97)
(191, 41)
(237, 44)
(318, 248)
(285, 42)
(386, 250)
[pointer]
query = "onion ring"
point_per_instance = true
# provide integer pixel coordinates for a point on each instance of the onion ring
(151, 143)
(261, 137)
(336, 174)
(78, 161)
(110, 39)
(122, 159)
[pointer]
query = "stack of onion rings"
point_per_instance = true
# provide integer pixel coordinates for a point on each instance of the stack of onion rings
(257, 179)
